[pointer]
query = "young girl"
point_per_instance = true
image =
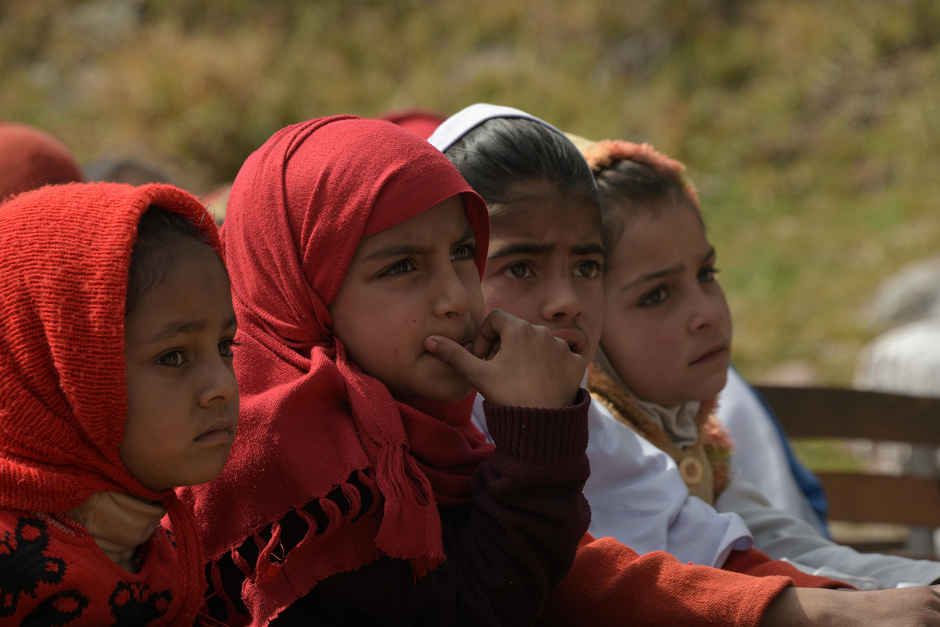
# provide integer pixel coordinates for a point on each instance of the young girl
(665, 349)
(359, 491)
(116, 386)
(544, 266)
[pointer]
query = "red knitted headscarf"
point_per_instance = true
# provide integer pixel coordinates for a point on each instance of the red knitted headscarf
(314, 431)
(31, 158)
(64, 254)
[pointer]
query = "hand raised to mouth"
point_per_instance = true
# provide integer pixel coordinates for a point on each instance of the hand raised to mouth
(515, 363)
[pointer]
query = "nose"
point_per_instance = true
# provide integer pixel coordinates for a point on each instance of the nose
(561, 300)
(452, 298)
(706, 312)
(220, 384)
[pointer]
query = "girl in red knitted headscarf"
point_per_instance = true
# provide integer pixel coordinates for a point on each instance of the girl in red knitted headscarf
(116, 386)
(359, 492)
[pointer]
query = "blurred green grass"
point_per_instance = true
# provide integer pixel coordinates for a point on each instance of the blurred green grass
(810, 127)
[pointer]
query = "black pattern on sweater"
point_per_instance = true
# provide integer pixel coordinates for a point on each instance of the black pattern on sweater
(24, 566)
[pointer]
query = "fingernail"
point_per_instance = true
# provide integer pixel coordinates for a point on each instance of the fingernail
(432, 345)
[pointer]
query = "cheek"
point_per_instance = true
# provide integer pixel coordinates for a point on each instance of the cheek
(726, 324)
(470, 279)
(592, 318)
(512, 297)
(638, 344)
(381, 342)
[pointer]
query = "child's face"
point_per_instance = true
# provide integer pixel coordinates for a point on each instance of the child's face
(404, 284)
(545, 265)
(667, 329)
(182, 399)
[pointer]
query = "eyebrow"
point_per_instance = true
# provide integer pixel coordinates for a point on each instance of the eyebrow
(182, 327)
(401, 249)
(588, 249)
(652, 276)
(524, 249)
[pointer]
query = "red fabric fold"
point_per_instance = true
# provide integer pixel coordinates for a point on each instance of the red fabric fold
(64, 254)
(310, 419)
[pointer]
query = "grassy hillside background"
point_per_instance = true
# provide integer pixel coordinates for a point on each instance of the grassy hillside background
(812, 128)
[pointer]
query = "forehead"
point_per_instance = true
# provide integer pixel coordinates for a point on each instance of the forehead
(540, 212)
(653, 240)
(444, 220)
(196, 285)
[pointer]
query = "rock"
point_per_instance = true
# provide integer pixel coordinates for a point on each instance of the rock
(905, 360)
(909, 295)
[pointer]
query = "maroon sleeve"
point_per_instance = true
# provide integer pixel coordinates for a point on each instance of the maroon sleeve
(610, 585)
(505, 551)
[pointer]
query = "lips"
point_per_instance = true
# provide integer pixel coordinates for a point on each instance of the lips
(575, 338)
(221, 430)
(712, 354)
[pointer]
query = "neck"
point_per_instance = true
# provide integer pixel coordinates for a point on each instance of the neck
(119, 524)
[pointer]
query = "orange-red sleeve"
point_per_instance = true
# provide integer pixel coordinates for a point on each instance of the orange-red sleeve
(611, 585)
(753, 562)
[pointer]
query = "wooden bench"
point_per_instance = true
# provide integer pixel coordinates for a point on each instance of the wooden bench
(847, 414)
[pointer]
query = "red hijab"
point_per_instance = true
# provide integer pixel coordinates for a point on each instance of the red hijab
(64, 254)
(313, 429)
(31, 158)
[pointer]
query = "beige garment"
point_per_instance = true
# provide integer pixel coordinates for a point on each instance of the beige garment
(119, 524)
(675, 430)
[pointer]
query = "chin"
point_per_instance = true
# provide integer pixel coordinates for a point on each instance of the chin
(711, 387)
(447, 393)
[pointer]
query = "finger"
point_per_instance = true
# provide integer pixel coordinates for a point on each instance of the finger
(457, 357)
(483, 345)
(493, 350)
(489, 333)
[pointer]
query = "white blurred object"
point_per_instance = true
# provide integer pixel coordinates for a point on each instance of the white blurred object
(911, 294)
(906, 361)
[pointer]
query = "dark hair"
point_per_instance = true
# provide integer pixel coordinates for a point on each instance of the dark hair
(627, 187)
(161, 236)
(501, 152)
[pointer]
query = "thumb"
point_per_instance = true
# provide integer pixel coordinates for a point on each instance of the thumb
(457, 357)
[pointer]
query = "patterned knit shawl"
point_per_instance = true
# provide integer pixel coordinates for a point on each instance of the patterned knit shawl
(315, 433)
(64, 257)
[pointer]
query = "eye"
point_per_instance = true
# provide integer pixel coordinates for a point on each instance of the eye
(399, 267)
(707, 275)
(655, 297)
(589, 269)
(520, 270)
(463, 253)
(172, 359)
(226, 348)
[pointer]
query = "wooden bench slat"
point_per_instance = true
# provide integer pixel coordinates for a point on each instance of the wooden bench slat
(841, 413)
(856, 497)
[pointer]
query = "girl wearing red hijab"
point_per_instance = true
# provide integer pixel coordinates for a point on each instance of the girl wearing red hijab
(359, 492)
(116, 385)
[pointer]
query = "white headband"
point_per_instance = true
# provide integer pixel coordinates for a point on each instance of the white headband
(465, 120)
